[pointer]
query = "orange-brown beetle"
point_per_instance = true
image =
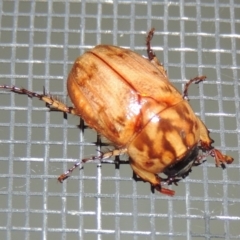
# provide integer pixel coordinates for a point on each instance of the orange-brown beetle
(129, 100)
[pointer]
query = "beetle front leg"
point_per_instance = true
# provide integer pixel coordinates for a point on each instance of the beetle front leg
(195, 80)
(206, 145)
(102, 157)
(152, 178)
(151, 55)
(220, 158)
(51, 102)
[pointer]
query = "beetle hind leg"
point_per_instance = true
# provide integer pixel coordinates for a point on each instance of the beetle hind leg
(152, 178)
(53, 103)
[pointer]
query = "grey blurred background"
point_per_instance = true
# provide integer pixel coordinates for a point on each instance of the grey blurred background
(39, 41)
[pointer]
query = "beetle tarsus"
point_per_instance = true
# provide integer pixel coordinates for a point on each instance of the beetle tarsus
(196, 80)
(164, 190)
(151, 54)
(63, 177)
(220, 158)
(66, 175)
(172, 180)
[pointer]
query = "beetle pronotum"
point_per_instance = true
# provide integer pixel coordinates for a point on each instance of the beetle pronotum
(129, 100)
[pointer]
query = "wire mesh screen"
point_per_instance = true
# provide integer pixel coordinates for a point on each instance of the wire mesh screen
(39, 41)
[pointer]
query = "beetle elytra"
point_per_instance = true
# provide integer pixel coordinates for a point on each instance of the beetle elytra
(129, 100)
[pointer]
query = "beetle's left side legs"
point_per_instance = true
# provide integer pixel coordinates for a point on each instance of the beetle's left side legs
(51, 102)
(102, 157)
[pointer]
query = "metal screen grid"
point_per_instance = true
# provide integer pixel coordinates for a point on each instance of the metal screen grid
(39, 42)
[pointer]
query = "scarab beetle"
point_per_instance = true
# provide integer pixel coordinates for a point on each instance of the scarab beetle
(129, 100)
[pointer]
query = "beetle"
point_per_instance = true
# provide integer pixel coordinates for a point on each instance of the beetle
(129, 100)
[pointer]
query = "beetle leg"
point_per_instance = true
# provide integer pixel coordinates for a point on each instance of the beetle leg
(66, 175)
(154, 179)
(220, 158)
(51, 102)
(205, 144)
(101, 157)
(196, 80)
(151, 55)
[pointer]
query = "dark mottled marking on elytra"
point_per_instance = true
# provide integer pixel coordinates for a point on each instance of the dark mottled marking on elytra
(182, 110)
(108, 47)
(184, 113)
(111, 54)
(182, 133)
(122, 53)
(149, 164)
(121, 120)
(190, 122)
(155, 73)
(165, 125)
(80, 74)
(167, 88)
(168, 146)
(196, 125)
(85, 73)
(142, 141)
